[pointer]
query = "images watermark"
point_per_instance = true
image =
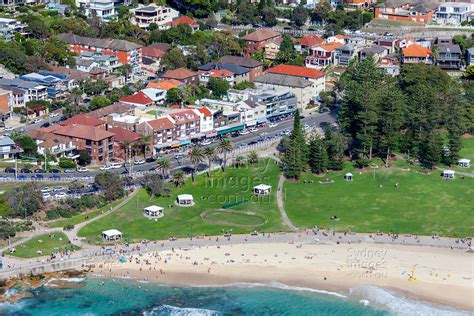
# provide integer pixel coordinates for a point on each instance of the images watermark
(366, 263)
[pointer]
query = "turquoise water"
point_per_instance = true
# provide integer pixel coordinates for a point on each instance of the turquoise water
(127, 297)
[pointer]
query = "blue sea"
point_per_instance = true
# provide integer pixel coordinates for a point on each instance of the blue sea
(128, 297)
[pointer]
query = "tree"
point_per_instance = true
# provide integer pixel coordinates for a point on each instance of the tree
(244, 85)
(224, 147)
(431, 149)
(454, 146)
(318, 156)
(174, 96)
(84, 158)
(67, 163)
(7, 230)
(287, 50)
(99, 102)
(218, 86)
(26, 143)
(239, 160)
(163, 165)
(335, 148)
(321, 11)
(110, 184)
(173, 59)
(299, 16)
(295, 157)
(25, 200)
(154, 185)
(210, 154)
(252, 158)
(179, 178)
(196, 155)
(269, 16)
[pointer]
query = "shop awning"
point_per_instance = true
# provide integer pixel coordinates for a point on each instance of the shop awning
(185, 142)
(231, 129)
(262, 120)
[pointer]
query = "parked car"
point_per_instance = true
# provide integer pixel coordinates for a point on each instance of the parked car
(45, 125)
(60, 195)
(69, 170)
(244, 132)
(53, 114)
(46, 195)
(116, 165)
(37, 177)
(253, 130)
(206, 142)
(8, 128)
(179, 155)
(139, 162)
(37, 120)
(39, 171)
(105, 167)
(25, 170)
(150, 159)
(45, 189)
(10, 170)
(58, 189)
(21, 178)
(82, 169)
(272, 125)
(54, 171)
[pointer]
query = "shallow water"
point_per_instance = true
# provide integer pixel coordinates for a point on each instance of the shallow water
(128, 297)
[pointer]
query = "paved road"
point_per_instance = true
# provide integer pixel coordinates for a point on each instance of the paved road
(313, 120)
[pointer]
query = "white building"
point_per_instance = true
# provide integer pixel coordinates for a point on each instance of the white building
(8, 28)
(453, 13)
(104, 9)
(157, 95)
(143, 16)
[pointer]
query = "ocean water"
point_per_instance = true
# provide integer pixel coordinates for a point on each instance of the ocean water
(128, 297)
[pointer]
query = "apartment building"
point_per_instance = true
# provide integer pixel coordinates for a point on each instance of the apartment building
(143, 16)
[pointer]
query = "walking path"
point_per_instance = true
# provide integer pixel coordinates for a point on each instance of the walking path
(281, 206)
(71, 234)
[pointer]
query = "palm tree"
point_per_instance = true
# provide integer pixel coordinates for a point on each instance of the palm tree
(210, 153)
(196, 155)
(239, 161)
(225, 147)
(252, 157)
(144, 142)
(179, 178)
(163, 165)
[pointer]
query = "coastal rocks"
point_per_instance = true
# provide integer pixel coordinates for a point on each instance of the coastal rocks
(12, 291)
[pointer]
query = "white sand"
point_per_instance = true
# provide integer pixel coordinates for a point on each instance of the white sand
(439, 275)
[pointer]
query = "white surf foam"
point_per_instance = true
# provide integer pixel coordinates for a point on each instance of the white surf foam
(178, 311)
(399, 304)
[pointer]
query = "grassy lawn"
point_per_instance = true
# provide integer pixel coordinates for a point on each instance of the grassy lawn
(82, 217)
(210, 195)
(422, 204)
(29, 249)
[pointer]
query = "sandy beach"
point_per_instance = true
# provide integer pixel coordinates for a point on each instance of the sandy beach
(439, 275)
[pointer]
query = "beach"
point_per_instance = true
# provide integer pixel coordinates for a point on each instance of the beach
(438, 275)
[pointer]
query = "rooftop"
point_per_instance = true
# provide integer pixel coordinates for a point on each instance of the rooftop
(261, 35)
(82, 131)
(107, 43)
(297, 71)
(416, 51)
(179, 74)
(137, 98)
(161, 124)
(124, 135)
(283, 80)
(83, 119)
(240, 61)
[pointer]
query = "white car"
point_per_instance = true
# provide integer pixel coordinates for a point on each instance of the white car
(253, 130)
(53, 115)
(37, 120)
(82, 169)
(8, 128)
(244, 132)
(206, 142)
(60, 195)
(105, 167)
(45, 189)
(116, 165)
(272, 125)
(57, 189)
(46, 195)
(139, 162)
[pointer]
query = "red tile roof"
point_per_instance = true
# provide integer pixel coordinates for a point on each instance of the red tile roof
(82, 132)
(297, 71)
(161, 124)
(183, 19)
(329, 47)
(179, 74)
(166, 84)
(311, 40)
(205, 111)
(184, 116)
(416, 51)
(124, 135)
(83, 119)
(217, 73)
(138, 98)
(153, 52)
(261, 35)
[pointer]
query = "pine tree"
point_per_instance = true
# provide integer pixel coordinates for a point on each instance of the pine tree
(296, 154)
(336, 151)
(431, 150)
(454, 146)
(318, 156)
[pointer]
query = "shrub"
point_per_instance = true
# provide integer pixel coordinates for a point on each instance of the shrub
(68, 227)
(67, 163)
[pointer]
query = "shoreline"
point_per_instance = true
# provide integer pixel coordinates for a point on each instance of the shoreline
(417, 272)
